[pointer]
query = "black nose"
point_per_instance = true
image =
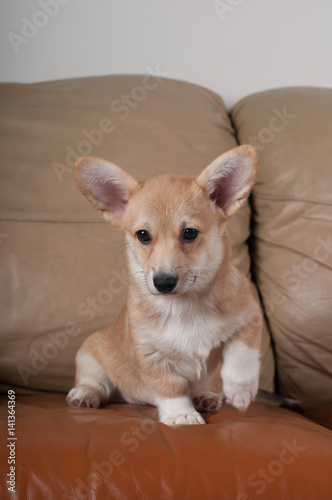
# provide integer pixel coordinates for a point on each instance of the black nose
(165, 283)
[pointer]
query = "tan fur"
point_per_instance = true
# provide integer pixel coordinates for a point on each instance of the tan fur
(167, 346)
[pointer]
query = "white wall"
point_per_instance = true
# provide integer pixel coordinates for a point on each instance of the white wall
(253, 45)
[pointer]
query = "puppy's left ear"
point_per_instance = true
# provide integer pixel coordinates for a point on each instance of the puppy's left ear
(229, 179)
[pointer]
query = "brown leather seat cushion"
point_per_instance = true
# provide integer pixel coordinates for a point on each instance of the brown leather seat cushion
(121, 452)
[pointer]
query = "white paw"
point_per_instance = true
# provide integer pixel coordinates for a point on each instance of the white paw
(83, 397)
(242, 400)
(208, 401)
(178, 411)
(192, 418)
(240, 395)
(240, 374)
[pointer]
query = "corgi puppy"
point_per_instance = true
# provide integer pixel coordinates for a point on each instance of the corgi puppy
(190, 316)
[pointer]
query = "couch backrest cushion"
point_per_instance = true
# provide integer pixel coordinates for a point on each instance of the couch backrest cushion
(292, 200)
(63, 269)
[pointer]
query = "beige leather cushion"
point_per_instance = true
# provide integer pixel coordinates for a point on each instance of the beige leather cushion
(292, 128)
(63, 269)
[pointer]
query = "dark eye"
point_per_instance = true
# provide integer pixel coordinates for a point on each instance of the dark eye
(143, 236)
(190, 234)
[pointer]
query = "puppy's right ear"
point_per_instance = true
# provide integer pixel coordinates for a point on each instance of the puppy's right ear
(106, 186)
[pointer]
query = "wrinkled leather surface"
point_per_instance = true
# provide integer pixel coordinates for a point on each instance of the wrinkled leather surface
(292, 230)
(121, 452)
(63, 268)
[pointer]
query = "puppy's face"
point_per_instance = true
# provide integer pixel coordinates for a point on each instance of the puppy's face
(174, 235)
(174, 225)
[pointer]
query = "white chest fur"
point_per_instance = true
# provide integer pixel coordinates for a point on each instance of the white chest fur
(187, 330)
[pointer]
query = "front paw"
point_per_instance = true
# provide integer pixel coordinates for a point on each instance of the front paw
(178, 411)
(192, 418)
(240, 395)
(240, 374)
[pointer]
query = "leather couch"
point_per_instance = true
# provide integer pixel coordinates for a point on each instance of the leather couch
(63, 275)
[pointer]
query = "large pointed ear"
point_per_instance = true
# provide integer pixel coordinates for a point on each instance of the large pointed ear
(105, 185)
(229, 179)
